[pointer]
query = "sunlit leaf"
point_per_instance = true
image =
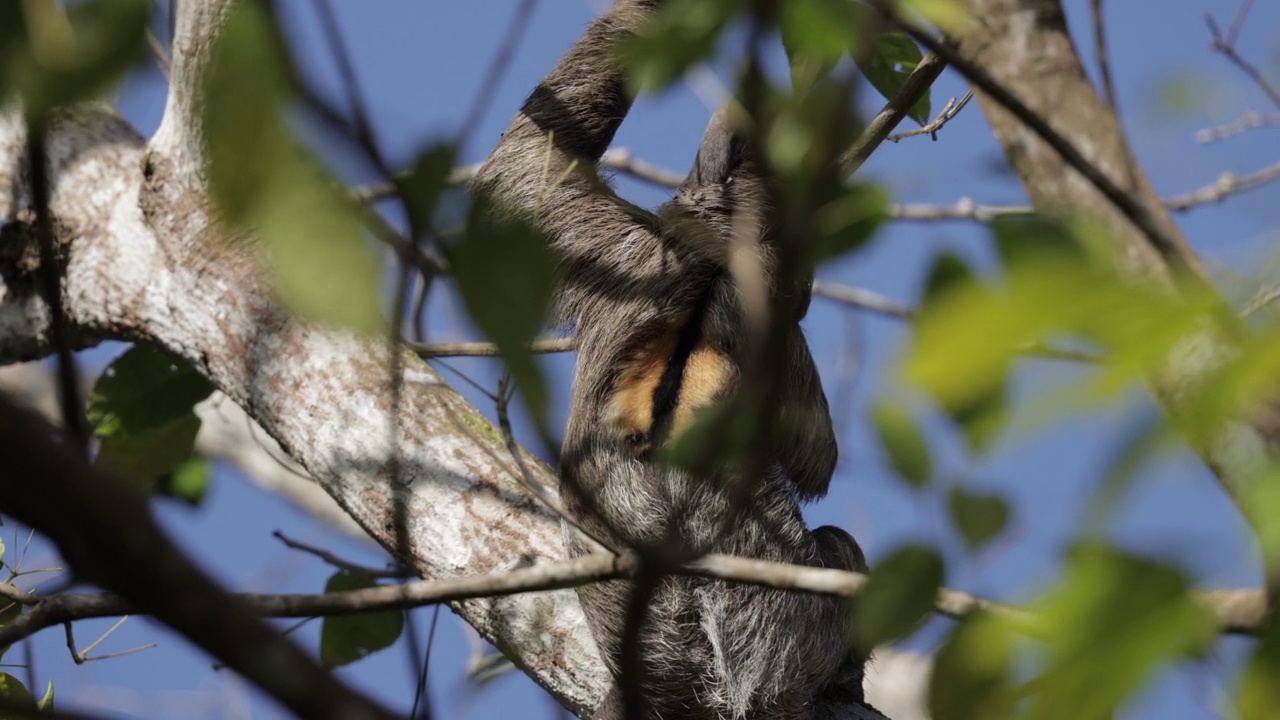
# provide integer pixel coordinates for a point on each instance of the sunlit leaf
(973, 672)
(14, 694)
(903, 443)
(245, 89)
(347, 638)
(979, 517)
(900, 593)
(321, 262)
(46, 702)
(949, 16)
(188, 482)
(1113, 622)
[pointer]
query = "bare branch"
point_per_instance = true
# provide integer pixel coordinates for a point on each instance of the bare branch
(949, 111)
(1248, 121)
(916, 85)
(1226, 45)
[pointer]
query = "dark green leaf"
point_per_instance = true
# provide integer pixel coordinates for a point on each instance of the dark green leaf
(979, 517)
(815, 36)
(903, 443)
(15, 695)
(421, 191)
(973, 672)
(144, 457)
(347, 638)
(1024, 238)
(142, 389)
(888, 63)
(1258, 694)
(849, 221)
(506, 275)
(947, 272)
(900, 593)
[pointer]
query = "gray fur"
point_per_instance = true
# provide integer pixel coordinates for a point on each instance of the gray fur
(710, 649)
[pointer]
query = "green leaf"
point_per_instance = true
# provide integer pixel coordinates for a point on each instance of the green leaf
(347, 638)
(903, 443)
(900, 593)
(981, 415)
(683, 33)
(15, 695)
(144, 457)
(849, 221)
(321, 263)
(887, 64)
(188, 482)
(1023, 239)
(46, 702)
(1111, 624)
(421, 191)
(979, 517)
(506, 275)
(948, 272)
(815, 36)
(1257, 695)
(949, 16)
(143, 389)
(64, 59)
(247, 69)
(973, 672)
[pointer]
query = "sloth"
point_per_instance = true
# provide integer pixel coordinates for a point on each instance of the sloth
(661, 330)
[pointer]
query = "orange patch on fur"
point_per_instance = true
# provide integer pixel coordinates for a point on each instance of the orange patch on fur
(706, 374)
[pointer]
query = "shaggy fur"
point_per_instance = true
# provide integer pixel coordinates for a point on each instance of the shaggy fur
(660, 330)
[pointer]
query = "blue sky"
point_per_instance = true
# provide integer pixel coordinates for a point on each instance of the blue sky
(419, 65)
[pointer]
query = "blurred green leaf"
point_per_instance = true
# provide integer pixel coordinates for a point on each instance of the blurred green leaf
(15, 695)
(422, 189)
(142, 389)
(506, 275)
(949, 16)
(900, 593)
(70, 53)
(851, 219)
(815, 36)
(683, 33)
(347, 638)
(1110, 625)
(887, 64)
(947, 272)
(245, 86)
(903, 443)
(188, 482)
(1257, 695)
(973, 672)
(321, 262)
(979, 517)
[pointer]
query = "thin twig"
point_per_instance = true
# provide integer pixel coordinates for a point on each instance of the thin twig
(1100, 49)
(916, 85)
(1240, 612)
(341, 563)
(1226, 45)
(1249, 121)
(949, 111)
(485, 349)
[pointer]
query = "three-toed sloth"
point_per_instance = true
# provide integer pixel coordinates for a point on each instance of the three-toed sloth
(661, 331)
